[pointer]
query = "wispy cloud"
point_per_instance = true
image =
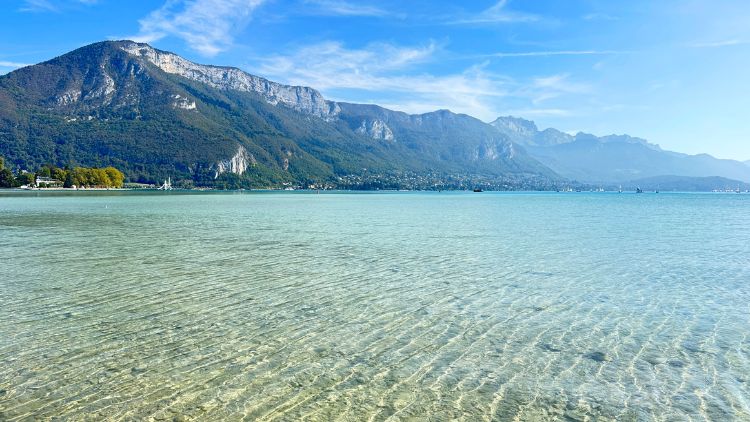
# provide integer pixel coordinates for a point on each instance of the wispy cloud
(554, 53)
(13, 65)
(723, 43)
(330, 64)
(52, 5)
(207, 26)
(499, 13)
(38, 6)
(599, 17)
(345, 8)
(386, 72)
(540, 112)
(542, 89)
(389, 75)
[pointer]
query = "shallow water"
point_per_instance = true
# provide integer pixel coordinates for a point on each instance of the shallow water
(343, 306)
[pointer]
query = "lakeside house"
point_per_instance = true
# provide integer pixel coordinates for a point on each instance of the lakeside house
(48, 182)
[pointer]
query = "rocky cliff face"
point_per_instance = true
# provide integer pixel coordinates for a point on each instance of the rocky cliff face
(183, 102)
(303, 99)
(525, 132)
(376, 129)
(94, 89)
(238, 164)
(515, 125)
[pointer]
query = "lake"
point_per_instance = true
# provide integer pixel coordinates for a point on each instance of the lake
(374, 306)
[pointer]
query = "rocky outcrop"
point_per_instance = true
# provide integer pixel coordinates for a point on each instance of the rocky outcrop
(182, 102)
(70, 96)
(104, 90)
(303, 99)
(516, 125)
(376, 129)
(238, 164)
(493, 150)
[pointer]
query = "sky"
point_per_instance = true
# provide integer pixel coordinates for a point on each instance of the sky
(674, 72)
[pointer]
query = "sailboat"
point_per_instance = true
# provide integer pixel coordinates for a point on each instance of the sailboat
(167, 184)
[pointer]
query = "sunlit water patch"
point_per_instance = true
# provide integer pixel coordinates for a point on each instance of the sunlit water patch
(375, 306)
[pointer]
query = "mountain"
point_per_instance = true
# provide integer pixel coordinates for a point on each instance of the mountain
(614, 158)
(154, 114)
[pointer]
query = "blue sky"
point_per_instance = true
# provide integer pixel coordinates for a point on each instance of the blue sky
(674, 72)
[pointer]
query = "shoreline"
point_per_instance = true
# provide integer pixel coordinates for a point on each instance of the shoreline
(316, 191)
(69, 189)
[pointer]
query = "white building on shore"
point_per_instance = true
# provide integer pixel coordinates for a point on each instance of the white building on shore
(47, 182)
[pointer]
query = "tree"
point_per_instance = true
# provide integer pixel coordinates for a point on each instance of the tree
(116, 178)
(26, 179)
(80, 177)
(100, 178)
(68, 183)
(58, 173)
(6, 179)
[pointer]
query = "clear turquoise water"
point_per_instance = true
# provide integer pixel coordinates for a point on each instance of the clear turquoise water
(271, 306)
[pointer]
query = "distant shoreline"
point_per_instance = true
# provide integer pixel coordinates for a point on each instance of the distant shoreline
(316, 191)
(70, 189)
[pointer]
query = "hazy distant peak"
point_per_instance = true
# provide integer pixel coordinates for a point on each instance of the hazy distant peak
(516, 124)
(525, 132)
(629, 140)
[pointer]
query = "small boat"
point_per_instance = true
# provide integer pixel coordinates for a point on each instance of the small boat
(478, 190)
(638, 190)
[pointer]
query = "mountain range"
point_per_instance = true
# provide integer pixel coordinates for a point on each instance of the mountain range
(614, 158)
(154, 114)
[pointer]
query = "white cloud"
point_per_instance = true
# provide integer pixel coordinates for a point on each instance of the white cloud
(38, 6)
(599, 17)
(540, 112)
(330, 64)
(13, 65)
(546, 88)
(345, 8)
(554, 53)
(207, 26)
(382, 70)
(386, 74)
(52, 5)
(498, 13)
(716, 44)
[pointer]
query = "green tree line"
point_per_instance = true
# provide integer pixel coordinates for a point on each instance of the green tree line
(108, 177)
